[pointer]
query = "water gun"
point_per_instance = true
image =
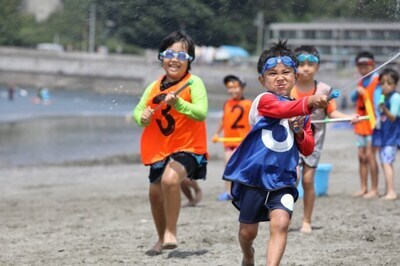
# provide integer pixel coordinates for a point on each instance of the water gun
(334, 94)
(184, 86)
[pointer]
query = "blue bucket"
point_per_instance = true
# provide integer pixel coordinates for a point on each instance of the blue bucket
(321, 180)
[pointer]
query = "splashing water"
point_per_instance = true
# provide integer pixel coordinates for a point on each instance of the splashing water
(350, 85)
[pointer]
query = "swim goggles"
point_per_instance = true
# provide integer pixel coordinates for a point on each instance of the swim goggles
(364, 61)
(307, 57)
(181, 56)
(273, 61)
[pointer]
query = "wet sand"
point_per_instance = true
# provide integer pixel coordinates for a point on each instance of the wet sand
(100, 214)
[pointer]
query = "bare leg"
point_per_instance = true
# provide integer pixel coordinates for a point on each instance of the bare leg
(157, 210)
(363, 171)
(298, 171)
(371, 153)
(186, 187)
(198, 195)
(227, 156)
(278, 235)
(228, 186)
(389, 178)
(247, 234)
(309, 197)
(170, 184)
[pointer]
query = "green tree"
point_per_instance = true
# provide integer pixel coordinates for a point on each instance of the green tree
(143, 23)
(9, 23)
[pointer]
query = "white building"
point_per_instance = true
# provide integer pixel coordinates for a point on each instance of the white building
(41, 9)
(340, 41)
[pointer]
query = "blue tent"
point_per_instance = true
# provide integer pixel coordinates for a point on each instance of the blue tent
(226, 52)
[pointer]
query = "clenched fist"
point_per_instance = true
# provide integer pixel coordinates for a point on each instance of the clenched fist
(146, 115)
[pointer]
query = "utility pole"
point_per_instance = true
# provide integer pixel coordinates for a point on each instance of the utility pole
(259, 22)
(92, 27)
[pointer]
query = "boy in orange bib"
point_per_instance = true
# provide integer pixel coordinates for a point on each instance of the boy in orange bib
(366, 97)
(234, 122)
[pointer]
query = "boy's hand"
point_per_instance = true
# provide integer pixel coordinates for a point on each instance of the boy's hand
(146, 115)
(171, 99)
(296, 123)
(360, 90)
(215, 137)
(318, 101)
(355, 119)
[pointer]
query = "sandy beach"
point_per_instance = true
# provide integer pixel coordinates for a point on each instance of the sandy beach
(99, 214)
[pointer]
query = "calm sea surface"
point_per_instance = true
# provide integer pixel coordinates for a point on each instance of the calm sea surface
(76, 126)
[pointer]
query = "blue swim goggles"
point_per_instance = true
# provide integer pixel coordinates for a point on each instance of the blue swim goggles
(273, 61)
(307, 57)
(181, 56)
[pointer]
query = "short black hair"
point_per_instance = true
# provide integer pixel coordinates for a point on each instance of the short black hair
(277, 49)
(390, 72)
(307, 49)
(230, 78)
(174, 37)
(364, 55)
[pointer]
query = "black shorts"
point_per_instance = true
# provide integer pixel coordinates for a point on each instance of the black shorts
(195, 169)
(255, 204)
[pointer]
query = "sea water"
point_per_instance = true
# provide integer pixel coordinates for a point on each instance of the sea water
(75, 126)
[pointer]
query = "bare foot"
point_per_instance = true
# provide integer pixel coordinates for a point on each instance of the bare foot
(189, 204)
(168, 245)
(155, 250)
(197, 198)
(371, 195)
(249, 261)
(198, 195)
(360, 193)
(390, 196)
(170, 241)
(306, 228)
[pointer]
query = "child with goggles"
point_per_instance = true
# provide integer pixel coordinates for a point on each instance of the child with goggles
(181, 56)
(367, 97)
(306, 86)
(174, 142)
(263, 168)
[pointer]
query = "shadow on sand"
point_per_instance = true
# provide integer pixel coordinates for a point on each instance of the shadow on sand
(185, 254)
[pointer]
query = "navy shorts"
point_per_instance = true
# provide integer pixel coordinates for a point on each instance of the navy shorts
(255, 204)
(195, 166)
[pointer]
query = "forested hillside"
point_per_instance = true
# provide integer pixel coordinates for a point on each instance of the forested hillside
(138, 24)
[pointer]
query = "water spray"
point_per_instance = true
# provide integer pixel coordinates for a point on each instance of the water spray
(369, 73)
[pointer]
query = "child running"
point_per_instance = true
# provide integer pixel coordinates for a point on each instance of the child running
(306, 85)
(263, 168)
(234, 122)
(390, 128)
(174, 142)
(367, 93)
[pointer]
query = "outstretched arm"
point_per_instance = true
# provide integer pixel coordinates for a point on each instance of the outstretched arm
(270, 106)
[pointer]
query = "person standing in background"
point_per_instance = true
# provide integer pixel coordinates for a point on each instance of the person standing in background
(234, 122)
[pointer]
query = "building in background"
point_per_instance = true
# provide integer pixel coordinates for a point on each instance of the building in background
(339, 42)
(41, 9)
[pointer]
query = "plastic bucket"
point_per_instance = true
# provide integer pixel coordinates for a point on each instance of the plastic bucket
(321, 180)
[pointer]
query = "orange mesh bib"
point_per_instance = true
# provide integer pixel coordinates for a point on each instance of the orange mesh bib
(364, 127)
(236, 120)
(170, 131)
